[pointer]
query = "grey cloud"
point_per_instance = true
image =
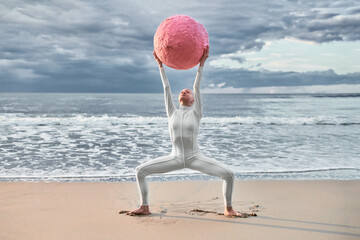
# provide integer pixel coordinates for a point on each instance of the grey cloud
(238, 59)
(325, 22)
(327, 15)
(344, 28)
(245, 78)
(354, 10)
(64, 45)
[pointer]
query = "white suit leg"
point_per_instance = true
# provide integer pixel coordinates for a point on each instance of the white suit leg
(158, 165)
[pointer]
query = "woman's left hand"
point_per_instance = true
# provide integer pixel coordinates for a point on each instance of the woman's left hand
(204, 56)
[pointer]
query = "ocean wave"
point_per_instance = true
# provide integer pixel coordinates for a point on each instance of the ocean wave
(320, 120)
(79, 119)
(326, 173)
(303, 170)
(341, 95)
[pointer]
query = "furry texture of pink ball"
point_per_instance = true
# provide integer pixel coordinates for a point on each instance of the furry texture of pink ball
(179, 42)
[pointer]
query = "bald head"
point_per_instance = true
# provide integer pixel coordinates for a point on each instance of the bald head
(186, 97)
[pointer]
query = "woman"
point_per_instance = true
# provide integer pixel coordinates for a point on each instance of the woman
(184, 126)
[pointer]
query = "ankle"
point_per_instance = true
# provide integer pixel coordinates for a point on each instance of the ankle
(228, 208)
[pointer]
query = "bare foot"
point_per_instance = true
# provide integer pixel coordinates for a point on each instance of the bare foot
(230, 212)
(142, 210)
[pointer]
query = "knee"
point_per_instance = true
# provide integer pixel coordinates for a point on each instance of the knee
(139, 172)
(229, 176)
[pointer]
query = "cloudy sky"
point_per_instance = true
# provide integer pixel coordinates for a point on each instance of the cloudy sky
(106, 46)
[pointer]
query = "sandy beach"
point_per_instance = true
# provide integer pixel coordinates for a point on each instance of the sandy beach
(285, 209)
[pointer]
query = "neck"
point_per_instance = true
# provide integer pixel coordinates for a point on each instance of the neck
(182, 105)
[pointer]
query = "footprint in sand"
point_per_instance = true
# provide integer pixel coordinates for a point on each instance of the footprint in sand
(203, 212)
(254, 208)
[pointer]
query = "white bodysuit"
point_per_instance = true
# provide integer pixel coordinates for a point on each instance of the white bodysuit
(184, 127)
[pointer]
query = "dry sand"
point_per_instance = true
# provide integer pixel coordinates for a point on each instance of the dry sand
(287, 210)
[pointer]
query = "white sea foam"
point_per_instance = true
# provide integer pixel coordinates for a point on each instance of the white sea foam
(332, 173)
(78, 119)
(265, 137)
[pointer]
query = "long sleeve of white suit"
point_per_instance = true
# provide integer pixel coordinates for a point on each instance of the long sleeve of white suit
(169, 105)
(196, 89)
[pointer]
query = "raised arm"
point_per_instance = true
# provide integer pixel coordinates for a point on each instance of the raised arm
(169, 105)
(196, 90)
(197, 103)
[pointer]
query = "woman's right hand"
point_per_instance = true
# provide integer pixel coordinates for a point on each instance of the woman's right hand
(157, 59)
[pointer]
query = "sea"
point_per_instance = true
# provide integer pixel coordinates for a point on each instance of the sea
(68, 137)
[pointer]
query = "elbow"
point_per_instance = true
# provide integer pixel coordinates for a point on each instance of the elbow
(196, 92)
(167, 88)
(196, 85)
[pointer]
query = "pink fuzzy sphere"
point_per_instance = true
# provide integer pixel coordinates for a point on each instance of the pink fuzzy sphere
(179, 42)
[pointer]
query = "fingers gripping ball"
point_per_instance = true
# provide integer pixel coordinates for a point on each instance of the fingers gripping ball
(179, 42)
